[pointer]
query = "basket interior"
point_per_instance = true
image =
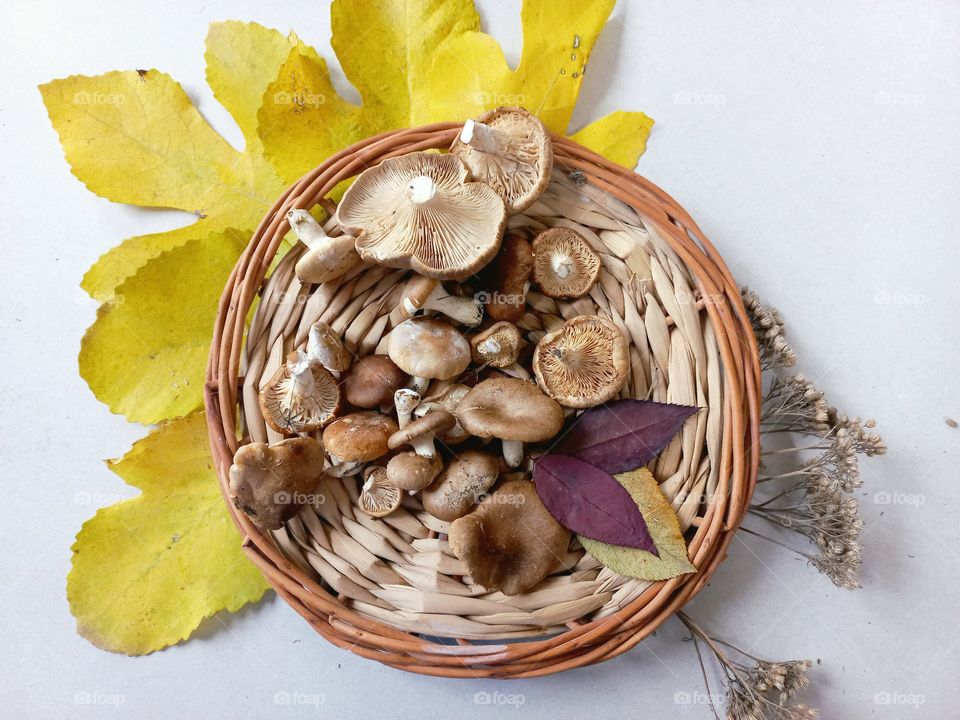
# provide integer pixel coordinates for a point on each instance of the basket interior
(399, 569)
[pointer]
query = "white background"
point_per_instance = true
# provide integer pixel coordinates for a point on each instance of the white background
(816, 143)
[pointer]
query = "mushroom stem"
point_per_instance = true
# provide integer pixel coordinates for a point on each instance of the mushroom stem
(466, 311)
(423, 446)
(419, 384)
(343, 469)
(301, 378)
(307, 230)
(421, 189)
(513, 452)
(490, 346)
(406, 402)
(481, 137)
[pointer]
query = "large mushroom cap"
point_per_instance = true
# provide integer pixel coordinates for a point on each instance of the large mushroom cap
(564, 264)
(359, 437)
(510, 150)
(429, 348)
(417, 211)
(462, 485)
(510, 542)
(582, 363)
(372, 381)
(412, 472)
(326, 347)
(302, 396)
(510, 409)
(269, 482)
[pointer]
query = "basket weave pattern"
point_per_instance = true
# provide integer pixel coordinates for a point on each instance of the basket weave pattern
(384, 588)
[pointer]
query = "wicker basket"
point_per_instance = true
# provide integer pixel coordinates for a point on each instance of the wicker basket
(389, 589)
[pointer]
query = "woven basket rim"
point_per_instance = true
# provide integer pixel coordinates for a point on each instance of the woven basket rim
(584, 643)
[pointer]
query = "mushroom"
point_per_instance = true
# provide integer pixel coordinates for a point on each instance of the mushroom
(412, 472)
(447, 400)
(325, 347)
(564, 264)
(421, 293)
(378, 496)
(510, 409)
(327, 258)
(497, 346)
(420, 433)
(372, 381)
(405, 401)
(270, 482)
(418, 211)
(510, 542)
(461, 486)
(428, 348)
(582, 363)
(358, 437)
(512, 270)
(510, 150)
(302, 396)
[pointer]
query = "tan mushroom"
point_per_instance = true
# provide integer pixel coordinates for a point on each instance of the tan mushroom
(271, 482)
(510, 150)
(564, 264)
(421, 293)
(461, 486)
(582, 363)
(510, 542)
(428, 348)
(497, 346)
(302, 396)
(419, 212)
(405, 401)
(515, 411)
(325, 347)
(420, 432)
(412, 472)
(512, 269)
(358, 437)
(372, 381)
(327, 258)
(448, 399)
(378, 496)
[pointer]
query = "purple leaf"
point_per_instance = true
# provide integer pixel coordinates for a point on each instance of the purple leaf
(623, 435)
(590, 502)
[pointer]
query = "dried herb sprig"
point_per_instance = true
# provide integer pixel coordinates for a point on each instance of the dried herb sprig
(757, 689)
(767, 324)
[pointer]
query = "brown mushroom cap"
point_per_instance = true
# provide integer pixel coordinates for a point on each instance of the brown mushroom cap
(510, 542)
(564, 264)
(372, 381)
(269, 482)
(448, 399)
(582, 363)
(510, 409)
(379, 496)
(497, 346)
(409, 471)
(515, 159)
(301, 396)
(419, 212)
(429, 348)
(430, 425)
(513, 267)
(359, 437)
(415, 294)
(459, 487)
(326, 347)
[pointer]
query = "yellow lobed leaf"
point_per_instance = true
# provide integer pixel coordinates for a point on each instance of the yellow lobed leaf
(145, 354)
(469, 73)
(148, 570)
(664, 529)
(620, 136)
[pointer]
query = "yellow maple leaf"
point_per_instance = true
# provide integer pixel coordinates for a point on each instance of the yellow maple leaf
(664, 528)
(148, 570)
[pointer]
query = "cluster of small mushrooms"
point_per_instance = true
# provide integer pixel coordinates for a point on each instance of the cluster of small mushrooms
(460, 403)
